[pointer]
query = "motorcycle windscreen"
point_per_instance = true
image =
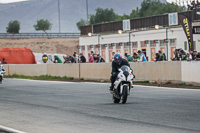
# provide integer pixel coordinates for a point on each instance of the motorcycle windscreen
(125, 68)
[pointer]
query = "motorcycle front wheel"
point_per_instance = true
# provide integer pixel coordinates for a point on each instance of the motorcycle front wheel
(1, 79)
(124, 94)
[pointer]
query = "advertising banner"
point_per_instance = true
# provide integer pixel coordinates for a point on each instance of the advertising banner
(187, 27)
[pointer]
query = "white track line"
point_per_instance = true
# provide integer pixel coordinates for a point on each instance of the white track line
(157, 87)
(7, 129)
(68, 82)
(42, 81)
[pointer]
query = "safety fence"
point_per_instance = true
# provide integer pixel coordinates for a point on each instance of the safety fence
(38, 35)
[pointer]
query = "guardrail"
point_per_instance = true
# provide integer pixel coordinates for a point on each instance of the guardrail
(38, 35)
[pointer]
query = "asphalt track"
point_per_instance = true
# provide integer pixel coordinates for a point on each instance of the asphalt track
(64, 107)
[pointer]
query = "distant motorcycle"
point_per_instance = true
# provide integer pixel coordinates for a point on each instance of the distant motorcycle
(2, 72)
(123, 84)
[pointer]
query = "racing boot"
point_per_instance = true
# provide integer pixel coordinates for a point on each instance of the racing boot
(111, 89)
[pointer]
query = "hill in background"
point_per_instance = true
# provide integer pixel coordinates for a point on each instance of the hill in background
(72, 11)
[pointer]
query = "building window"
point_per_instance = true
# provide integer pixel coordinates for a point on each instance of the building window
(172, 42)
(90, 47)
(162, 43)
(194, 44)
(143, 43)
(144, 51)
(152, 43)
(82, 47)
(126, 45)
(135, 44)
(185, 45)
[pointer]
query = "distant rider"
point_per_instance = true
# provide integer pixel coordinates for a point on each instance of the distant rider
(117, 63)
(2, 68)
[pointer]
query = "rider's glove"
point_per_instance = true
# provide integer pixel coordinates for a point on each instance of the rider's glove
(114, 74)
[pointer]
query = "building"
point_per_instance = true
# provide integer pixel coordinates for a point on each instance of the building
(140, 34)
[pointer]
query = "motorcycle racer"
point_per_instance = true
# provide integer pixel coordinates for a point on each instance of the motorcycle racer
(117, 63)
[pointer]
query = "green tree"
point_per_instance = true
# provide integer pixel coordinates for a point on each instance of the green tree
(155, 7)
(43, 25)
(134, 13)
(13, 27)
(102, 16)
(119, 18)
(82, 22)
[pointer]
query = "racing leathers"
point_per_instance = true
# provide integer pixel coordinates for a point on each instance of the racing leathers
(114, 73)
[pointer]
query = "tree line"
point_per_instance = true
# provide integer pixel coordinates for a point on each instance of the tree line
(43, 25)
(148, 8)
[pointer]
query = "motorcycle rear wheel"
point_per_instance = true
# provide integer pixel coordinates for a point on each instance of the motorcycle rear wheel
(115, 100)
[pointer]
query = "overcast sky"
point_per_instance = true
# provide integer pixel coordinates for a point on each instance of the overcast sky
(11, 1)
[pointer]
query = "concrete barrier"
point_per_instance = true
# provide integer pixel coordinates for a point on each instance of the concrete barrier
(190, 71)
(95, 71)
(27, 70)
(150, 71)
(68, 70)
(157, 71)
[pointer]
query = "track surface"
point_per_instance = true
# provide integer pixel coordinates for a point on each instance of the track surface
(48, 107)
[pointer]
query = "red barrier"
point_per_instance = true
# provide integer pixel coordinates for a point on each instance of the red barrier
(17, 56)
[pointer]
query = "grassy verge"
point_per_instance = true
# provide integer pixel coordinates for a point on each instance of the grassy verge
(42, 77)
(168, 84)
(141, 82)
(177, 85)
(147, 83)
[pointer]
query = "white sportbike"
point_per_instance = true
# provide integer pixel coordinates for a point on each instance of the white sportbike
(123, 84)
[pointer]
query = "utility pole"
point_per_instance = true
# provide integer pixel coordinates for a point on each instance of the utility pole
(59, 14)
(166, 41)
(99, 43)
(129, 43)
(87, 9)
